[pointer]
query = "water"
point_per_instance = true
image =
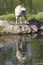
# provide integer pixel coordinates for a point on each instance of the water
(21, 49)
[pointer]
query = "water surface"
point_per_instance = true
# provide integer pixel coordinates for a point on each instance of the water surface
(21, 49)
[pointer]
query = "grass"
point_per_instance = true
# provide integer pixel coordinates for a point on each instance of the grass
(8, 17)
(11, 17)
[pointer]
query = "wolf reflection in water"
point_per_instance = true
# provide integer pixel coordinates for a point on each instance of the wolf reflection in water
(24, 51)
(19, 49)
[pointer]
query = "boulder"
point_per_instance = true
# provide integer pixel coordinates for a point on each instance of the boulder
(35, 25)
(31, 26)
(17, 29)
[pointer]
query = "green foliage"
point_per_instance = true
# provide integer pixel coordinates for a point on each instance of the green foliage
(32, 6)
(8, 17)
(39, 16)
(11, 17)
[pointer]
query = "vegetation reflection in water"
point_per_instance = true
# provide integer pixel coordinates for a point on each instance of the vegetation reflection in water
(21, 49)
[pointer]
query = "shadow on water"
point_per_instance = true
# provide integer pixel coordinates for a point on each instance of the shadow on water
(21, 49)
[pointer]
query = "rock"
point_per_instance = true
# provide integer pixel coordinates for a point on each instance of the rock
(35, 25)
(41, 28)
(31, 26)
(17, 29)
(34, 28)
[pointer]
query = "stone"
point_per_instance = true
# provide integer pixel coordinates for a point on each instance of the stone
(32, 26)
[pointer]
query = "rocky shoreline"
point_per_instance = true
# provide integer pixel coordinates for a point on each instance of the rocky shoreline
(20, 28)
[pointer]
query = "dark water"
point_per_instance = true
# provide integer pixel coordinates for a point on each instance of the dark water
(21, 49)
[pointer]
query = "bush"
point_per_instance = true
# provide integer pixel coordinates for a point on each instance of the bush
(8, 17)
(39, 16)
